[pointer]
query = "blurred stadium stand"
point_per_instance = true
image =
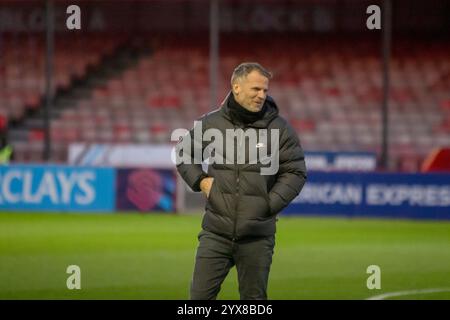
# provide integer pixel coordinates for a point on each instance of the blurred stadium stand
(23, 85)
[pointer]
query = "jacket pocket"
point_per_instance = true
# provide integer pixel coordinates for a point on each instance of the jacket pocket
(258, 185)
(212, 199)
(265, 194)
(212, 189)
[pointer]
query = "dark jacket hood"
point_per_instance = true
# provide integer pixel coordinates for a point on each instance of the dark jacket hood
(271, 113)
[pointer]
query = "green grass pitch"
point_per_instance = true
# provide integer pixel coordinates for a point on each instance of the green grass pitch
(135, 256)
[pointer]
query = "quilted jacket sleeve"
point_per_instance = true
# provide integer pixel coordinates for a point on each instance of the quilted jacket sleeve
(291, 175)
(189, 151)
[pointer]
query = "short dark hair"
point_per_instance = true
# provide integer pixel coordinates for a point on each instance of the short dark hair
(245, 68)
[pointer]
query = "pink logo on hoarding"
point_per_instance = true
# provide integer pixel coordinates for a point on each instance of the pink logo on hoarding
(144, 189)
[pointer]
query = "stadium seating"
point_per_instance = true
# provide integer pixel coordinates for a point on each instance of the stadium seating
(22, 71)
(329, 90)
(22, 82)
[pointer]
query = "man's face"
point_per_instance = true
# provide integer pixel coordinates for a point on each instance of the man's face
(251, 91)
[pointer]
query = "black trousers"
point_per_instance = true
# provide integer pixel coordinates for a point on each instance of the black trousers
(215, 257)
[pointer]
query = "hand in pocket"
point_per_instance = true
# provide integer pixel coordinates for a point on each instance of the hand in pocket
(206, 185)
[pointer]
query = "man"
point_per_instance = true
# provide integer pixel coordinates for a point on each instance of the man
(243, 200)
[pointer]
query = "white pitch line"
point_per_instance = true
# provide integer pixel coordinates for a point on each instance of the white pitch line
(407, 293)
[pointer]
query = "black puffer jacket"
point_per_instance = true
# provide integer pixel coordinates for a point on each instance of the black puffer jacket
(243, 203)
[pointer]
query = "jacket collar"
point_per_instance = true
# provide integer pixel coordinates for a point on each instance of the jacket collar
(270, 114)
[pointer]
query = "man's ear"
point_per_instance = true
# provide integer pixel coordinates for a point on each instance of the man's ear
(236, 88)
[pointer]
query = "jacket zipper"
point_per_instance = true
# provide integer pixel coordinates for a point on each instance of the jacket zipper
(236, 173)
